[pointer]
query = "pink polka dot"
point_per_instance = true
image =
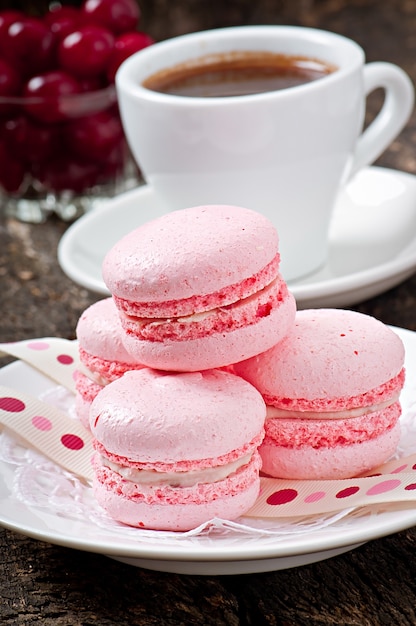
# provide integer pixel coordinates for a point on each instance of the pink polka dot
(65, 359)
(399, 469)
(386, 485)
(347, 492)
(41, 423)
(282, 497)
(38, 345)
(414, 467)
(315, 497)
(72, 442)
(12, 405)
(410, 487)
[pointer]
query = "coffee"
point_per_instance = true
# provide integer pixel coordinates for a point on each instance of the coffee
(237, 73)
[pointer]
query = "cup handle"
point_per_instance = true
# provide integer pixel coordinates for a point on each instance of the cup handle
(392, 117)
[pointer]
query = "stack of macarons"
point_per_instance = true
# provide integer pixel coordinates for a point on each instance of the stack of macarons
(194, 292)
(231, 381)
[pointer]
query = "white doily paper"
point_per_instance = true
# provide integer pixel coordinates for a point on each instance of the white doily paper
(44, 486)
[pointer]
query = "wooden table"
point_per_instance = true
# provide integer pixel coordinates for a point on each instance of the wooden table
(48, 584)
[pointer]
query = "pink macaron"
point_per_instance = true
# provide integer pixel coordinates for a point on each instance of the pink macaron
(102, 354)
(332, 390)
(200, 288)
(174, 450)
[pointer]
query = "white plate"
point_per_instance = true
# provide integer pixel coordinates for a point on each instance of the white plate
(372, 240)
(230, 553)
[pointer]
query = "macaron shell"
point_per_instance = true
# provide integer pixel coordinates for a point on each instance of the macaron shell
(337, 462)
(82, 410)
(155, 416)
(99, 334)
(86, 387)
(178, 509)
(218, 349)
(86, 391)
(156, 262)
(328, 353)
(175, 517)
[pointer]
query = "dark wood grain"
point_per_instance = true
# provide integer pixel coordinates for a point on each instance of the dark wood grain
(48, 585)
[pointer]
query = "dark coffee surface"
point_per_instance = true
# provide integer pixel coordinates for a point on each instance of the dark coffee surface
(237, 74)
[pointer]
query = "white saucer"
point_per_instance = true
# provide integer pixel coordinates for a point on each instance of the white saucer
(372, 241)
(59, 512)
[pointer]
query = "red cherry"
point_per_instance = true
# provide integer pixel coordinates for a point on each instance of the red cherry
(94, 136)
(47, 94)
(94, 83)
(12, 171)
(7, 18)
(115, 161)
(67, 173)
(10, 86)
(59, 10)
(125, 46)
(29, 141)
(62, 20)
(29, 45)
(9, 80)
(119, 16)
(87, 51)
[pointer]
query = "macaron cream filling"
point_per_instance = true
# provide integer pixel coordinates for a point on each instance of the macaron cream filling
(332, 408)
(184, 465)
(245, 479)
(94, 377)
(177, 479)
(241, 313)
(306, 433)
(276, 413)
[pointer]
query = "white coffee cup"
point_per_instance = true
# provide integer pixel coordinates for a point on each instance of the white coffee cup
(283, 153)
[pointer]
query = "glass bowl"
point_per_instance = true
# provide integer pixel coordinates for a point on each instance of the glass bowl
(62, 155)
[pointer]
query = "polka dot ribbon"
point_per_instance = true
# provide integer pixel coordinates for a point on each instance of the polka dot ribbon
(43, 427)
(55, 357)
(65, 441)
(393, 482)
